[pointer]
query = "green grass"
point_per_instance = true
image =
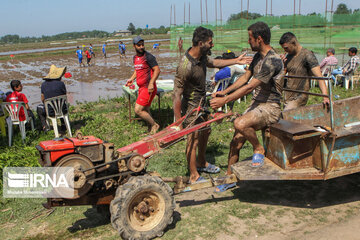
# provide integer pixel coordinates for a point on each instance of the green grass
(240, 213)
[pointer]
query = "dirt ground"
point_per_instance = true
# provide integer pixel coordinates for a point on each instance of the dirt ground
(103, 78)
(288, 210)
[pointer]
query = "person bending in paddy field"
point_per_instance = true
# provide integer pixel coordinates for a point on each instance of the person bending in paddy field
(146, 72)
(79, 54)
(266, 71)
(190, 90)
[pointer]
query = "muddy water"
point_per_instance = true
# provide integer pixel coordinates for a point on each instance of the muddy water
(104, 78)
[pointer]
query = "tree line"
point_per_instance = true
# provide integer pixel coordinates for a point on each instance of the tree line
(138, 31)
(341, 9)
(14, 38)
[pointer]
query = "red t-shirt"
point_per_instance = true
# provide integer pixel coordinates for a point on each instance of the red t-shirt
(87, 54)
(143, 67)
(18, 97)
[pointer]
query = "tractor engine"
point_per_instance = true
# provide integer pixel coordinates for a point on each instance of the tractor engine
(97, 166)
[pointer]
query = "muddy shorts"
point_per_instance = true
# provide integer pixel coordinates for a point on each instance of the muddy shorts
(265, 113)
(295, 103)
(144, 98)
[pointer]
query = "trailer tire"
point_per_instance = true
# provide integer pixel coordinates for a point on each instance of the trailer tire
(142, 208)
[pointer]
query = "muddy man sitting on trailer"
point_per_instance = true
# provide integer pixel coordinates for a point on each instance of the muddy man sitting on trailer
(266, 71)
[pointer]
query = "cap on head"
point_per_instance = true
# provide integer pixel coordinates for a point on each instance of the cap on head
(137, 39)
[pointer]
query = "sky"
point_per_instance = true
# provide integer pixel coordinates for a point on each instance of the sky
(49, 17)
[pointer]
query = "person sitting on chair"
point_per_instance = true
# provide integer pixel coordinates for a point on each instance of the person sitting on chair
(17, 96)
(52, 87)
(329, 60)
(350, 67)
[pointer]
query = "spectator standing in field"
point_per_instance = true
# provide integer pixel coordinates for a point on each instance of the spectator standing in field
(88, 57)
(180, 46)
(52, 87)
(190, 91)
(91, 50)
(79, 54)
(299, 61)
(17, 96)
(330, 59)
(122, 49)
(104, 49)
(146, 72)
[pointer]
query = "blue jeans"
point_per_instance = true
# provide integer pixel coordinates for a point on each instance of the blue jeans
(336, 72)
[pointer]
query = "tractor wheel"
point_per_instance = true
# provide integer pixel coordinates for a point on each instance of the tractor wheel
(142, 208)
(79, 163)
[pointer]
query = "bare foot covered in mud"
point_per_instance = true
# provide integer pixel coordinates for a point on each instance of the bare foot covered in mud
(154, 128)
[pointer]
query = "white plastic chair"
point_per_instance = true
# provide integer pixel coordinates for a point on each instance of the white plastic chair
(57, 104)
(347, 79)
(13, 108)
(222, 84)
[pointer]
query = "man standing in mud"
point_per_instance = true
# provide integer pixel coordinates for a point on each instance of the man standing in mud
(146, 72)
(299, 61)
(265, 72)
(189, 92)
(79, 54)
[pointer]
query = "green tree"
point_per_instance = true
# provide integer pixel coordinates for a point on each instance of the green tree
(131, 28)
(138, 31)
(244, 15)
(10, 38)
(312, 14)
(342, 9)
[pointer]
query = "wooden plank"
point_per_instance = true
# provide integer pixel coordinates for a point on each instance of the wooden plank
(271, 171)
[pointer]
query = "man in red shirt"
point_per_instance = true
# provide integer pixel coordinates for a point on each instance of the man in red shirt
(146, 72)
(88, 57)
(17, 96)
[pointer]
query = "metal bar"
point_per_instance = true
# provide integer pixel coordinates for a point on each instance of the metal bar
(181, 187)
(201, 21)
(189, 13)
(159, 105)
(206, 11)
(174, 16)
(305, 92)
(266, 8)
(308, 135)
(220, 14)
(184, 13)
(107, 163)
(110, 176)
(215, 12)
(331, 106)
(307, 77)
(129, 109)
